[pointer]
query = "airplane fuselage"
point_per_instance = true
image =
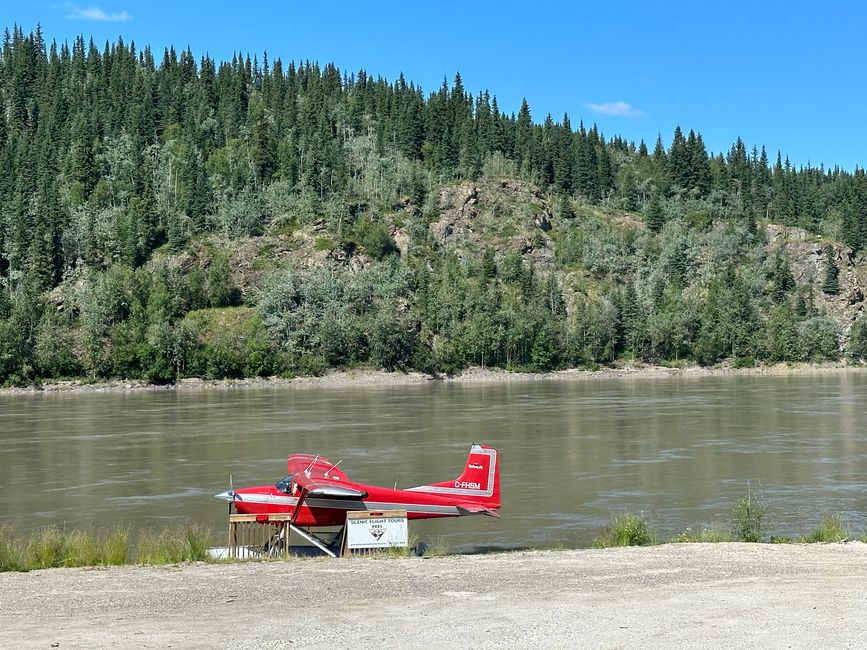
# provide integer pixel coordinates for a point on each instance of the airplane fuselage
(331, 511)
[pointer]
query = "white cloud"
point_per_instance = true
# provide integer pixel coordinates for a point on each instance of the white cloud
(617, 109)
(96, 14)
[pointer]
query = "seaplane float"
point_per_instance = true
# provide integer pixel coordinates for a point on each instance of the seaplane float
(316, 494)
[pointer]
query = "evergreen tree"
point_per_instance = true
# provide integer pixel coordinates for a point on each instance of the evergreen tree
(831, 284)
(654, 215)
(489, 265)
(781, 278)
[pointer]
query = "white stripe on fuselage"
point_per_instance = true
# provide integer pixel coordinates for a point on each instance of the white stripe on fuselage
(345, 504)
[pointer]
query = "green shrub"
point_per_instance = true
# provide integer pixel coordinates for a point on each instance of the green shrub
(626, 530)
(45, 549)
(858, 340)
(832, 529)
(393, 339)
(377, 242)
(748, 517)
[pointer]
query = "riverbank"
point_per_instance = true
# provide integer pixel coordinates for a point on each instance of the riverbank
(365, 377)
(688, 595)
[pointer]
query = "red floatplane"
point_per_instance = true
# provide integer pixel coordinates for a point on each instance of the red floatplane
(316, 493)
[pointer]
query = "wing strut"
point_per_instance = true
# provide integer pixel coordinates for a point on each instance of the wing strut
(313, 540)
(298, 505)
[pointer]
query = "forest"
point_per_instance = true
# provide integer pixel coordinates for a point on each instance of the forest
(165, 217)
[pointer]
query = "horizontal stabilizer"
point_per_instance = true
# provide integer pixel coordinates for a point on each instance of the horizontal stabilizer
(476, 509)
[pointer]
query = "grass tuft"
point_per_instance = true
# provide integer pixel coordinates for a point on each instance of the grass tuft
(173, 545)
(115, 547)
(81, 548)
(10, 559)
(439, 548)
(53, 547)
(46, 549)
(832, 529)
(626, 530)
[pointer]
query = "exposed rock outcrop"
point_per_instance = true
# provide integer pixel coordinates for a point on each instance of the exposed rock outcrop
(809, 264)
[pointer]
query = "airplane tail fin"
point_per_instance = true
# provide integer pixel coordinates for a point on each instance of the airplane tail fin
(479, 482)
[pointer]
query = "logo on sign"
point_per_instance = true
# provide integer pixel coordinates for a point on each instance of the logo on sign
(377, 531)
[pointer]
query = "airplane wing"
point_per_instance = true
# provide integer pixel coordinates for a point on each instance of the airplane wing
(315, 467)
(476, 509)
(327, 487)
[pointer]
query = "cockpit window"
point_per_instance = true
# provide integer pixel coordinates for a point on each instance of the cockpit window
(285, 484)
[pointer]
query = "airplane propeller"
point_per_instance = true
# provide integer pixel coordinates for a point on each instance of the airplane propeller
(230, 495)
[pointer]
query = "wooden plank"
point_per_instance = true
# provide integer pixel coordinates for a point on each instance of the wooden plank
(375, 514)
(259, 518)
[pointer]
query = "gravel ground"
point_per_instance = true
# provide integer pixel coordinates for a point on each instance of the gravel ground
(676, 595)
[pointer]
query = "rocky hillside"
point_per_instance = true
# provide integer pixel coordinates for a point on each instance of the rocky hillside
(808, 258)
(507, 215)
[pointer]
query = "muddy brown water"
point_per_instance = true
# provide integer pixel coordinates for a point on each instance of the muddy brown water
(680, 449)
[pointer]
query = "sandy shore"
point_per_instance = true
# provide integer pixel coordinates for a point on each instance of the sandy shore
(472, 375)
(675, 595)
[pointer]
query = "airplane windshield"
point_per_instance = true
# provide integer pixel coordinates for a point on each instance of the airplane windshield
(285, 484)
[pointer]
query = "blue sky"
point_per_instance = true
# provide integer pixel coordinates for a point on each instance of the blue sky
(787, 75)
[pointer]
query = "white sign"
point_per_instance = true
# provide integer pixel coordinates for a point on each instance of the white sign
(365, 531)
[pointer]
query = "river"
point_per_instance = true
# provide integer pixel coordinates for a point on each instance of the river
(679, 449)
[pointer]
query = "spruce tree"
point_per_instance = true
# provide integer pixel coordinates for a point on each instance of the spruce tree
(781, 278)
(489, 264)
(831, 285)
(654, 215)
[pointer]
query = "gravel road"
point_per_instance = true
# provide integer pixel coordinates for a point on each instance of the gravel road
(676, 595)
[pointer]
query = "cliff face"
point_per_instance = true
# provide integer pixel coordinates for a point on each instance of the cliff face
(808, 260)
(504, 215)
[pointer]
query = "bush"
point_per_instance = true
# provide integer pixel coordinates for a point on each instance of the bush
(819, 338)
(748, 517)
(626, 530)
(858, 340)
(221, 290)
(543, 355)
(377, 242)
(832, 529)
(393, 339)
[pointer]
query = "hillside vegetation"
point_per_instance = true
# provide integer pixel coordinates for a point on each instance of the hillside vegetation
(184, 218)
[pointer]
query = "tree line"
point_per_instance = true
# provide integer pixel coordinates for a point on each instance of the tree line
(110, 155)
